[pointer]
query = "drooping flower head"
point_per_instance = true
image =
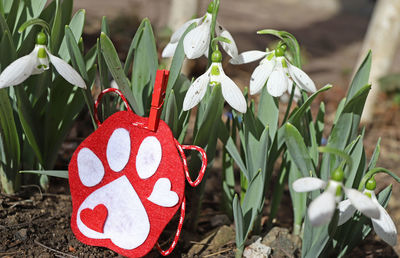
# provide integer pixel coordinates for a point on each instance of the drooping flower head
(215, 75)
(383, 226)
(37, 62)
(196, 42)
(322, 208)
(274, 70)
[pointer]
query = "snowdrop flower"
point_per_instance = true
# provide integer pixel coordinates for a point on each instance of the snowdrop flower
(383, 226)
(322, 208)
(275, 70)
(37, 62)
(214, 75)
(197, 41)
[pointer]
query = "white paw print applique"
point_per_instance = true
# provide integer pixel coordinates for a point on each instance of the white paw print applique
(126, 184)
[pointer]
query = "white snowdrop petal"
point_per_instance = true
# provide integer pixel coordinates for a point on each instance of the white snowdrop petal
(176, 36)
(197, 40)
(66, 71)
(362, 203)
(148, 157)
(277, 83)
(384, 226)
(169, 50)
(346, 211)
(196, 91)
(308, 184)
(118, 149)
(260, 76)
(90, 168)
(230, 48)
(162, 194)
(232, 93)
(301, 78)
(19, 70)
(321, 209)
(248, 57)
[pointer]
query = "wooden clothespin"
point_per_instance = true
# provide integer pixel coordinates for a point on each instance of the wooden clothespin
(157, 101)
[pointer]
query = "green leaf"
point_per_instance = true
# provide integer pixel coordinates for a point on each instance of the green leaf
(296, 116)
(361, 77)
(114, 65)
(29, 122)
(375, 155)
(319, 123)
(76, 25)
(239, 222)
(299, 200)
(231, 148)
(171, 114)
(298, 151)
(145, 66)
(211, 115)
(55, 35)
(133, 46)
(268, 111)
(36, 7)
(8, 132)
(253, 202)
(104, 26)
(357, 156)
(54, 173)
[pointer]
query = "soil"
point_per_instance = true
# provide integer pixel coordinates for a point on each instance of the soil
(35, 224)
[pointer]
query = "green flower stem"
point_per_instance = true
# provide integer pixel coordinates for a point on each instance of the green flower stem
(212, 30)
(374, 171)
(289, 105)
(278, 192)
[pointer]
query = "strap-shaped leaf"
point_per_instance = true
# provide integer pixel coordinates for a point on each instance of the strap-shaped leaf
(76, 25)
(298, 150)
(114, 65)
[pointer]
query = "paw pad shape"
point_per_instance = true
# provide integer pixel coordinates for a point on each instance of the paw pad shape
(126, 184)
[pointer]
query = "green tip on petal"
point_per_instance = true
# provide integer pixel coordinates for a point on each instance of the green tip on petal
(42, 53)
(215, 70)
(41, 38)
(216, 56)
(338, 175)
(371, 184)
(210, 7)
(339, 191)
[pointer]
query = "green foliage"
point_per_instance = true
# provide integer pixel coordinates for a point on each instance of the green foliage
(38, 113)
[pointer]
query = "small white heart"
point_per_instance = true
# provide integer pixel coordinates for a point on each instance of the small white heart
(162, 194)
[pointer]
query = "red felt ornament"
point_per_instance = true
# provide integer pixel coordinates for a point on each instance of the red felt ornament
(127, 179)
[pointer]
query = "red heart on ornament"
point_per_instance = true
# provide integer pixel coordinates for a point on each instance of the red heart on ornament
(95, 219)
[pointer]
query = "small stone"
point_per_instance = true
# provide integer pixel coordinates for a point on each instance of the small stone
(213, 242)
(257, 250)
(22, 234)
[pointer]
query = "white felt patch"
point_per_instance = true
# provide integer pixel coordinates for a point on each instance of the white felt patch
(162, 194)
(127, 224)
(90, 168)
(118, 149)
(148, 157)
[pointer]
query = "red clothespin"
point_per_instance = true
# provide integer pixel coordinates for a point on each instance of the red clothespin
(157, 101)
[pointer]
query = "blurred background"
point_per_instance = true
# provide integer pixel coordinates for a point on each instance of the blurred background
(333, 37)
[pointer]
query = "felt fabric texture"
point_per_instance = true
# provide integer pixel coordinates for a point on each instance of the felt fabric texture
(118, 149)
(148, 157)
(124, 193)
(162, 194)
(90, 168)
(95, 218)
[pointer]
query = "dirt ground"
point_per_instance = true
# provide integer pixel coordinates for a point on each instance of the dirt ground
(330, 33)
